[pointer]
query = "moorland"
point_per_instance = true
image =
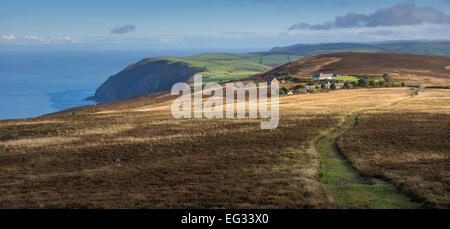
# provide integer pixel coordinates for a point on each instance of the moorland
(387, 146)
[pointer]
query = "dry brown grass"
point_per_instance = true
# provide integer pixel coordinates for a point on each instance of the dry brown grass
(35, 142)
(195, 163)
(105, 130)
(407, 144)
(128, 155)
(412, 69)
(341, 102)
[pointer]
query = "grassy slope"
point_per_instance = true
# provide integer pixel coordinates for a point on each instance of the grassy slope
(133, 154)
(147, 159)
(412, 69)
(406, 144)
(221, 67)
(424, 48)
(350, 189)
(348, 78)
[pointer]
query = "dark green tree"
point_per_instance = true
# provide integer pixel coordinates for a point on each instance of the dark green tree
(316, 85)
(347, 85)
(298, 86)
(363, 82)
(333, 86)
(388, 80)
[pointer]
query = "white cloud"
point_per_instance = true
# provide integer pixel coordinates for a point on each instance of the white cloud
(170, 40)
(62, 39)
(33, 38)
(7, 37)
(426, 31)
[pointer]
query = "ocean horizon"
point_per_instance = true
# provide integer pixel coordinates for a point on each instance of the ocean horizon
(39, 82)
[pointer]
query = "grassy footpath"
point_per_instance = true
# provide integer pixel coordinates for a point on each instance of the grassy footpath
(350, 189)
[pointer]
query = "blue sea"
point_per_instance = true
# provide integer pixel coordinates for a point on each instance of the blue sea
(38, 82)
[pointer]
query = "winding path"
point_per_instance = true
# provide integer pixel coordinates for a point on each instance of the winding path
(350, 189)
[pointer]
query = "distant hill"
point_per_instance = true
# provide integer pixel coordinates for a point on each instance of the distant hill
(159, 74)
(412, 69)
(146, 76)
(434, 48)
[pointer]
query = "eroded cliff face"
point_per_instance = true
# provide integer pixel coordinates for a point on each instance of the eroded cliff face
(146, 76)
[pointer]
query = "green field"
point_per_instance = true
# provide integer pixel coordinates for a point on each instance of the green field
(222, 67)
(345, 78)
(348, 78)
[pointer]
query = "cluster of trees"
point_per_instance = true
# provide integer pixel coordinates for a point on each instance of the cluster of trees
(299, 86)
(387, 81)
(287, 76)
(363, 82)
(284, 90)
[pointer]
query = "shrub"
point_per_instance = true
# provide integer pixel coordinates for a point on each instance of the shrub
(363, 82)
(316, 85)
(299, 86)
(388, 80)
(333, 86)
(347, 85)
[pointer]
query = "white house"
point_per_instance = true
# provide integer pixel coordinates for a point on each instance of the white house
(339, 85)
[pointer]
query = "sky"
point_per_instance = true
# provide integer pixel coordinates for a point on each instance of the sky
(216, 24)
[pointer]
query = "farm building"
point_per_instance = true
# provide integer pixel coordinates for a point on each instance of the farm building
(339, 85)
(322, 76)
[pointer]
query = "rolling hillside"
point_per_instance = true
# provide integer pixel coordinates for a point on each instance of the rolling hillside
(412, 69)
(433, 48)
(134, 154)
(146, 76)
(159, 74)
